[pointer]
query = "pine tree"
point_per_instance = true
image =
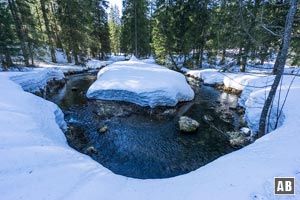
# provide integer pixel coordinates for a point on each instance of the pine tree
(173, 30)
(45, 11)
(73, 22)
(135, 28)
(99, 29)
(115, 29)
(7, 36)
(15, 12)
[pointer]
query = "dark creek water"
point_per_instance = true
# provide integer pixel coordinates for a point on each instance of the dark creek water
(143, 142)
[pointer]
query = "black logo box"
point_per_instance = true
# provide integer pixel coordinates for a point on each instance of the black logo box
(284, 185)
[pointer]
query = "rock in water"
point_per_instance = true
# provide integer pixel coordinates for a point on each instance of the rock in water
(90, 150)
(103, 129)
(208, 118)
(187, 124)
(74, 89)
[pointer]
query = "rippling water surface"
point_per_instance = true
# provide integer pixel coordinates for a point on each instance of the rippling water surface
(145, 143)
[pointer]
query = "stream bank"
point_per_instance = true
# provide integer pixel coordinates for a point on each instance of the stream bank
(141, 142)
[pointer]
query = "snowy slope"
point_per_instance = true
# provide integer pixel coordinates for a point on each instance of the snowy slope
(37, 163)
(142, 83)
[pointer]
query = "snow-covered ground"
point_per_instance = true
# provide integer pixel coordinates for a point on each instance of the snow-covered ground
(37, 163)
(67, 68)
(71, 68)
(142, 83)
(36, 79)
(255, 89)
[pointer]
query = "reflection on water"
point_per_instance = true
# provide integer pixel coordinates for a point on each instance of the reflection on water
(144, 143)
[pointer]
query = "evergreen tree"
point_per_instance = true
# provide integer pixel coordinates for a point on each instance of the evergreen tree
(173, 31)
(135, 28)
(45, 10)
(16, 9)
(73, 20)
(115, 29)
(7, 36)
(100, 30)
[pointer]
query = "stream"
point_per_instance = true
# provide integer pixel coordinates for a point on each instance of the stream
(147, 143)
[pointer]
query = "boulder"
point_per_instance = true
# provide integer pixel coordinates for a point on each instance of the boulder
(208, 118)
(103, 129)
(74, 89)
(90, 150)
(240, 141)
(141, 83)
(187, 124)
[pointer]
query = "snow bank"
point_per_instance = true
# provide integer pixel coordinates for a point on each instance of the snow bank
(141, 83)
(36, 162)
(36, 79)
(209, 76)
(97, 64)
(255, 88)
(212, 76)
(71, 68)
(65, 68)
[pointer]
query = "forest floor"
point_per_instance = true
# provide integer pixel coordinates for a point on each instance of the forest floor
(37, 163)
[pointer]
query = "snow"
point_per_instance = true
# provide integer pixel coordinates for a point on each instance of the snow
(71, 68)
(233, 80)
(37, 163)
(142, 83)
(36, 79)
(255, 88)
(60, 57)
(97, 64)
(65, 68)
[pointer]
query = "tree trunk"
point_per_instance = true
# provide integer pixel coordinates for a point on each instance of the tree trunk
(223, 57)
(31, 53)
(173, 61)
(245, 56)
(201, 56)
(280, 62)
(19, 29)
(69, 58)
(57, 37)
(8, 59)
(239, 56)
(135, 30)
(4, 64)
(39, 20)
(49, 35)
(262, 60)
(76, 58)
(243, 63)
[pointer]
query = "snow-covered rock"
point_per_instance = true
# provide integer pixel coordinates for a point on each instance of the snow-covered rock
(141, 83)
